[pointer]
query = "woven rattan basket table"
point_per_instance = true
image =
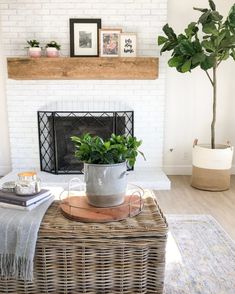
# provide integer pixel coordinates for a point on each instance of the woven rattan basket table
(117, 257)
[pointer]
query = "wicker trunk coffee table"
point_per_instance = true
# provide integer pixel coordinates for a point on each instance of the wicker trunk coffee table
(117, 257)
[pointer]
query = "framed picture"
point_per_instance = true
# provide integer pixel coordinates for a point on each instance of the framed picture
(128, 45)
(84, 37)
(110, 42)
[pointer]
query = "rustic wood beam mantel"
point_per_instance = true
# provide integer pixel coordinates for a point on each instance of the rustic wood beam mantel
(83, 68)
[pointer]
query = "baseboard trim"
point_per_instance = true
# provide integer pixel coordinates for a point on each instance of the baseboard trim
(4, 169)
(233, 170)
(183, 170)
(177, 169)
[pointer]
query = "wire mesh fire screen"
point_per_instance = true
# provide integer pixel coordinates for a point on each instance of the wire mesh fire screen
(55, 129)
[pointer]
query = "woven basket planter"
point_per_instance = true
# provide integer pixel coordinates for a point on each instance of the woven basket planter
(119, 257)
(212, 167)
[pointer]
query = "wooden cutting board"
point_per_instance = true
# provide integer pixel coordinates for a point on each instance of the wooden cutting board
(77, 208)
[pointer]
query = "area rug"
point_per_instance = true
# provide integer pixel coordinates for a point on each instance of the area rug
(200, 257)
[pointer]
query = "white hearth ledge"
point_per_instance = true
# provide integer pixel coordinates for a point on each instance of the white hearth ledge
(147, 178)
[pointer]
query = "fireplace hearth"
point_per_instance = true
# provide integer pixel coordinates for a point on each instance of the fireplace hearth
(55, 129)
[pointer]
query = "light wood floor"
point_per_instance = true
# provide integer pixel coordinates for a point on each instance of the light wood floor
(183, 199)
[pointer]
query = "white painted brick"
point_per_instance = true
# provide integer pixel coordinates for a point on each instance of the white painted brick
(3, 6)
(8, 12)
(4, 17)
(6, 36)
(13, 17)
(25, 6)
(45, 20)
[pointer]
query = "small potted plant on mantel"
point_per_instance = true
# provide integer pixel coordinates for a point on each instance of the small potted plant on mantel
(205, 44)
(52, 49)
(34, 48)
(105, 166)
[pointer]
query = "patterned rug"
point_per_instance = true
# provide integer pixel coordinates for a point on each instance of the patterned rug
(200, 257)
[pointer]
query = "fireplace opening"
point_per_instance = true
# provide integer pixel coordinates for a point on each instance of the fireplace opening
(55, 129)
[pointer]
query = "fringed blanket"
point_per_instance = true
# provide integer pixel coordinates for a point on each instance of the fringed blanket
(18, 237)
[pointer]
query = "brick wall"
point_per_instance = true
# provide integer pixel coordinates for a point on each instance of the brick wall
(49, 20)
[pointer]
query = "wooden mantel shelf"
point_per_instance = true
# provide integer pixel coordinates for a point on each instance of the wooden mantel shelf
(83, 68)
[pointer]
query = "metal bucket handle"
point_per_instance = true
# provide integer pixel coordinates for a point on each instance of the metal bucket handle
(69, 187)
(140, 199)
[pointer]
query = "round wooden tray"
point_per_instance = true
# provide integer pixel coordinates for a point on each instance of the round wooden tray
(77, 208)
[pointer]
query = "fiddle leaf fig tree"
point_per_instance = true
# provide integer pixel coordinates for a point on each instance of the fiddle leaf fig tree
(205, 44)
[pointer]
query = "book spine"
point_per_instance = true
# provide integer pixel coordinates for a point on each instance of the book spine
(37, 198)
(13, 201)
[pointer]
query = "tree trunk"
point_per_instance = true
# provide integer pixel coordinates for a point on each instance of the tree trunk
(214, 108)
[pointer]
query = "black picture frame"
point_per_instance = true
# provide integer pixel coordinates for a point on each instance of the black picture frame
(84, 42)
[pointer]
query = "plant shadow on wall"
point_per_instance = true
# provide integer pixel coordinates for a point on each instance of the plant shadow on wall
(105, 166)
(205, 44)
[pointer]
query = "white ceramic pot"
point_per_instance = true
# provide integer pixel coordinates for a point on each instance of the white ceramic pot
(35, 52)
(211, 167)
(52, 52)
(105, 184)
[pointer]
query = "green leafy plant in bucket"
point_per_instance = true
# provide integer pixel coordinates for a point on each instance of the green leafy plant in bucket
(117, 149)
(205, 44)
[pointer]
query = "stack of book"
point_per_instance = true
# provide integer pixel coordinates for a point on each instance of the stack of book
(11, 200)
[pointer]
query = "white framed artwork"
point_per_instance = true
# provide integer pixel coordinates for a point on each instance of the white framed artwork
(128, 45)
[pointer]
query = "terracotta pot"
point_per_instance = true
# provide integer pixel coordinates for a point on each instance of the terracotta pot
(35, 52)
(52, 52)
(212, 167)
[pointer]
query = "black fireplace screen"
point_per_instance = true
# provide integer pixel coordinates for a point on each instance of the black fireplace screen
(55, 129)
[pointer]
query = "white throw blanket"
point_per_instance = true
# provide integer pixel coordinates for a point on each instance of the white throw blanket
(18, 237)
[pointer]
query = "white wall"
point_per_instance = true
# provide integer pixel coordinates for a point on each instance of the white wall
(189, 97)
(4, 141)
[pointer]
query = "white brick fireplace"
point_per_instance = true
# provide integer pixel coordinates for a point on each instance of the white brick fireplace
(49, 20)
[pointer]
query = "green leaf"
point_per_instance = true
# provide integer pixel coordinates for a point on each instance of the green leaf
(210, 28)
(197, 46)
(233, 54)
(186, 47)
(162, 40)
(191, 30)
(107, 144)
(198, 58)
(212, 5)
(201, 9)
(169, 32)
(225, 55)
(216, 16)
(168, 46)
(181, 37)
(228, 41)
(75, 139)
(219, 39)
(140, 152)
(175, 61)
(186, 66)
(208, 63)
(231, 16)
(205, 17)
(208, 45)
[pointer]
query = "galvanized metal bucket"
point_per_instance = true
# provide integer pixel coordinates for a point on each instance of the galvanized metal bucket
(105, 184)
